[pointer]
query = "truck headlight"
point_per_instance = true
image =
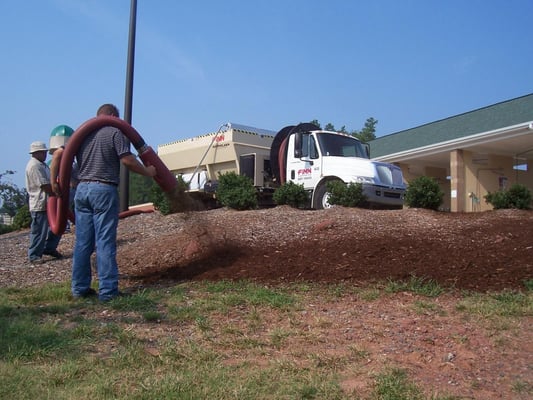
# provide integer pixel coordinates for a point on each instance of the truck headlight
(364, 179)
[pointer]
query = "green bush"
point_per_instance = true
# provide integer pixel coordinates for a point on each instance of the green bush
(518, 196)
(346, 195)
(22, 218)
(424, 192)
(169, 203)
(291, 194)
(6, 229)
(160, 200)
(236, 191)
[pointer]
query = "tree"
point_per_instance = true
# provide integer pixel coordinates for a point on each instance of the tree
(140, 189)
(343, 129)
(315, 121)
(11, 196)
(366, 134)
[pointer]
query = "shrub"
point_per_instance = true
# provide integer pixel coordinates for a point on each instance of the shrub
(424, 192)
(160, 200)
(347, 195)
(169, 203)
(6, 229)
(518, 196)
(22, 218)
(291, 194)
(236, 191)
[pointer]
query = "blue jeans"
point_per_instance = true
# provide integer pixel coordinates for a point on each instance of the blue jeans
(96, 209)
(42, 239)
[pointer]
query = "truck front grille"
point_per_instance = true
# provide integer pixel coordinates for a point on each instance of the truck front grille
(392, 195)
(389, 175)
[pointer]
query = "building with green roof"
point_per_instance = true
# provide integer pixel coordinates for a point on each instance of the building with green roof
(469, 154)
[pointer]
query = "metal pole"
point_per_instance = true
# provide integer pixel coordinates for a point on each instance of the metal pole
(124, 187)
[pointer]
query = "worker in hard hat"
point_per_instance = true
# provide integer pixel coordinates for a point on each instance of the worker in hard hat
(58, 139)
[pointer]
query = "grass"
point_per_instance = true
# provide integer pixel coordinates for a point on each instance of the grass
(216, 340)
(494, 305)
(418, 285)
(395, 385)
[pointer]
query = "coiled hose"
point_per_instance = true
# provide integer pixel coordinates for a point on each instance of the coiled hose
(58, 206)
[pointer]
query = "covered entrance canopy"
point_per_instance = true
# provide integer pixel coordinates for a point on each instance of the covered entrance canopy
(470, 154)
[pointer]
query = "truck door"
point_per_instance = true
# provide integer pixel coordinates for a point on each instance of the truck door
(306, 169)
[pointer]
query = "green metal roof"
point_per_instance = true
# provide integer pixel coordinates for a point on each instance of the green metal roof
(500, 115)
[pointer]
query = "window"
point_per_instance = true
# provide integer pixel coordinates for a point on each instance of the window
(340, 145)
(309, 148)
(520, 167)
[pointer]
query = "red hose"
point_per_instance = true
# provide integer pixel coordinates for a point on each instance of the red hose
(58, 207)
(282, 159)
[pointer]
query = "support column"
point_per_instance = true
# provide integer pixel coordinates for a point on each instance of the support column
(457, 184)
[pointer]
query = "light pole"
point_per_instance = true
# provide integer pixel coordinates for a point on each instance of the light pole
(124, 173)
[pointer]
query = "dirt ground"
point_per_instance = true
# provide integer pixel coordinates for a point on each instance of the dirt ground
(445, 350)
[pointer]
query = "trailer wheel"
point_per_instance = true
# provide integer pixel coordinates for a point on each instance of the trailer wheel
(321, 197)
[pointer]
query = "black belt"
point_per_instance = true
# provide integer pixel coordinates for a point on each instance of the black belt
(97, 181)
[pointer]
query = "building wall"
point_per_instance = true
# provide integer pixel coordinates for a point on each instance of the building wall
(490, 174)
(525, 177)
(483, 173)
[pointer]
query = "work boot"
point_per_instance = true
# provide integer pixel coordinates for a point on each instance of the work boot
(36, 261)
(88, 293)
(53, 253)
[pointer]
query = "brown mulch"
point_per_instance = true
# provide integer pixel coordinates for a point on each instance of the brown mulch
(485, 251)
(482, 252)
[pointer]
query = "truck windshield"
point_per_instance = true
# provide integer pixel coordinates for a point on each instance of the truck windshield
(339, 145)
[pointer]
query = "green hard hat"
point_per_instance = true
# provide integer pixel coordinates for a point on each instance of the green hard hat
(62, 130)
(59, 136)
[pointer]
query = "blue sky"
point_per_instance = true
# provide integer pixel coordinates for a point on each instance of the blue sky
(264, 63)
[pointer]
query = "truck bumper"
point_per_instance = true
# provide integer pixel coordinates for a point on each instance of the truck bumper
(383, 196)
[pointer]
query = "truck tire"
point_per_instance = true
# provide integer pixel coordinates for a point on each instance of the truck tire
(320, 197)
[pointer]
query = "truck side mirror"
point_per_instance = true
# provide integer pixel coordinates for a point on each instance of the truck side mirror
(298, 145)
(367, 149)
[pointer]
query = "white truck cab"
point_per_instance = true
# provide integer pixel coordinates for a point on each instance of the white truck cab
(313, 157)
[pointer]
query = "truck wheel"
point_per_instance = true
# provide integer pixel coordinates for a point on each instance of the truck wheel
(321, 197)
